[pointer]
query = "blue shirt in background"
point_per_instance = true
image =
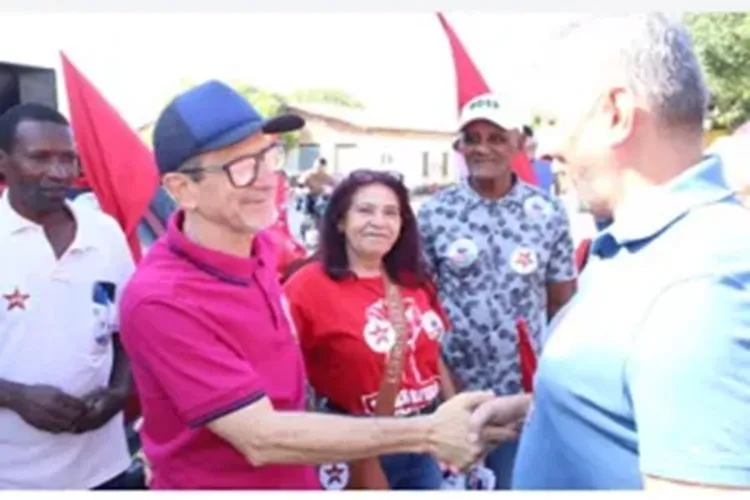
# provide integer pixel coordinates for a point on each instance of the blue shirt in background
(647, 370)
(544, 175)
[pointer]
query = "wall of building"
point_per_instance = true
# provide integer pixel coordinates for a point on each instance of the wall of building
(421, 157)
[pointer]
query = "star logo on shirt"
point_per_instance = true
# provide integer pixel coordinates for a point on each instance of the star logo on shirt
(334, 476)
(524, 261)
(16, 300)
(380, 334)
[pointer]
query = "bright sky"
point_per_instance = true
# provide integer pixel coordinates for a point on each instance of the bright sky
(396, 62)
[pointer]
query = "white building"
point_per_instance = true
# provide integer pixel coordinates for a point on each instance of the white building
(351, 138)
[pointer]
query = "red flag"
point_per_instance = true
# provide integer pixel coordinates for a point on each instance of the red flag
(524, 169)
(527, 355)
(469, 81)
(582, 254)
(469, 84)
(117, 165)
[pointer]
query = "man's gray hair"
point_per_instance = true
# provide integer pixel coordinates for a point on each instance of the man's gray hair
(653, 55)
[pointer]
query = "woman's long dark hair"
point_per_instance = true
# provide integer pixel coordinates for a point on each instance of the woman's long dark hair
(403, 263)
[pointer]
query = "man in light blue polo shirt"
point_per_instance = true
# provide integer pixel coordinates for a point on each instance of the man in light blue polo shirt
(645, 377)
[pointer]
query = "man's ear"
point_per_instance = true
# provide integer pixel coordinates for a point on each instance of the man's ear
(181, 189)
(622, 109)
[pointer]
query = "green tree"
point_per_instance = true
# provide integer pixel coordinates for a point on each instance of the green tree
(269, 104)
(266, 101)
(325, 95)
(722, 41)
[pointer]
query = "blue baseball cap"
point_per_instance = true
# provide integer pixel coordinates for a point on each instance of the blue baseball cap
(208, 117)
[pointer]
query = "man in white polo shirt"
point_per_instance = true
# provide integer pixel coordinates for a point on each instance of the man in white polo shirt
(63, 374)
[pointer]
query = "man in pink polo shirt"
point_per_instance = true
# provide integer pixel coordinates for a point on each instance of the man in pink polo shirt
(218, 370)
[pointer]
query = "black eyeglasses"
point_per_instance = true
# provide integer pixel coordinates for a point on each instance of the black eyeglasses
(244, 170)
(367, 175)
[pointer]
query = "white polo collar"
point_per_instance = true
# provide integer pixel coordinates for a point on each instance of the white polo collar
(12, 223)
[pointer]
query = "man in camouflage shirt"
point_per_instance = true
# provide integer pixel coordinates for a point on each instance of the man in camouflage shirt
(499, 249)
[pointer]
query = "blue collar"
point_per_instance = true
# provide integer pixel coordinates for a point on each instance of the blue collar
(642, 218)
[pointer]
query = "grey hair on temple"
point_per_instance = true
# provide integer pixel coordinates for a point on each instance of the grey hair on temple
(652, 54)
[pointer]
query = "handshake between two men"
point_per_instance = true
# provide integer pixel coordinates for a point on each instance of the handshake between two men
(469, 425)
(458, 434)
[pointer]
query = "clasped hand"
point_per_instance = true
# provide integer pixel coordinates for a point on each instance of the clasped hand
(49, 409)
(470, 424)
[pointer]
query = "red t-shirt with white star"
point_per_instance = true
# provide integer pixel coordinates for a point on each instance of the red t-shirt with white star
(345, 334)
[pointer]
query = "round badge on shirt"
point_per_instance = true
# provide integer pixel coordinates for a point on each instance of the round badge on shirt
(433, 325)
(536, 207)
(333, 476)
(524, 260)
(379, 335)
(462, 253)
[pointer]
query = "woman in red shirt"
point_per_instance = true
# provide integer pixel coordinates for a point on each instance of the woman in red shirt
(369, 241)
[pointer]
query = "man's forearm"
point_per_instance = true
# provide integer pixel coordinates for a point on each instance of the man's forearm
(558, 295)
(554, 307)
(10, 392)
(314, 438)
(120, 379)
(321, 438)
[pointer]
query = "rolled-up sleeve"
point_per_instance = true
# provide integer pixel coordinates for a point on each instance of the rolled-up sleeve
(185, 353)
(689, 380)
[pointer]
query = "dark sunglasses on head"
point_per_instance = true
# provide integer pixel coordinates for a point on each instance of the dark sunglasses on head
(367, 175)
(244, 170)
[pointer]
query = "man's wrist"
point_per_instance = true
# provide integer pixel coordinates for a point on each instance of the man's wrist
(428, 425)
(11, 393)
